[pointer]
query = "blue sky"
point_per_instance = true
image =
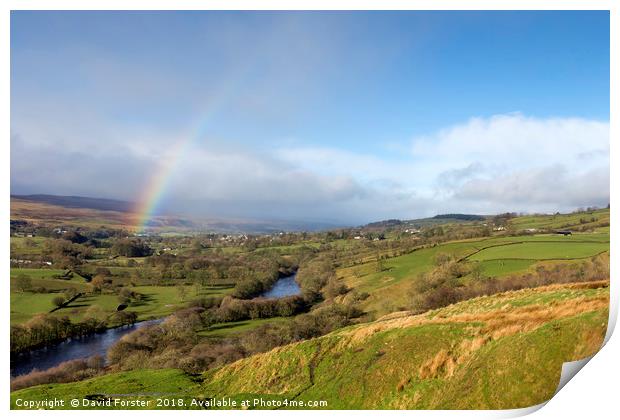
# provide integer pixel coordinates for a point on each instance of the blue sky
(364, 115)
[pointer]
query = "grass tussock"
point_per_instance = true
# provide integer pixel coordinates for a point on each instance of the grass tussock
(442, 364)
(402, 384)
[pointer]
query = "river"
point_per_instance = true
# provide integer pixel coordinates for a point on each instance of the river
(99, 343)
(76, 348)
(285, 286)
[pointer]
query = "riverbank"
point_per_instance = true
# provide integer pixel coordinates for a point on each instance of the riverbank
(95, 344)
(97, 339)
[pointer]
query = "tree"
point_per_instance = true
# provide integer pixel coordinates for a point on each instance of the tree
(70, 293)
(96, 312)
(380, 266)
(104, 271)
(197, 246)
(74, 237)
(181, 292)
(125, 296)
(58, 301)
(99, 282)
(131, 248)
(23, 282)
(477, 273)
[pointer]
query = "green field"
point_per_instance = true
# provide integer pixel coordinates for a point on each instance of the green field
(498, 256)
(158, 301)
(597, 219)
(149, 383)
(387, 288)
(541, 251)
(40, 275)
(30, 246)
(25, 305)
(37, 273)
(231, 328)
(459, 357)
(44, 277)
(163, 300)
(503, 267)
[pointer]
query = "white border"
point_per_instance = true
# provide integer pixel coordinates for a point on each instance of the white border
(591, 394)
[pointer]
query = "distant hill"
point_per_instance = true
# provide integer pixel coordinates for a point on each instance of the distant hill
(385, 223)
(428, 221)
(459, 216)
(58, 210)
(72, 201)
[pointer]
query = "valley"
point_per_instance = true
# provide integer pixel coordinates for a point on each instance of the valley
(416, 311)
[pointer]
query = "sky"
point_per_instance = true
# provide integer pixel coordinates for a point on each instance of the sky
(344, 117)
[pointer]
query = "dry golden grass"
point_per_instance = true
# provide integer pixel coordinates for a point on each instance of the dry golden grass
(588, 343)
(506, 320)
(501, 323)
(442, 364)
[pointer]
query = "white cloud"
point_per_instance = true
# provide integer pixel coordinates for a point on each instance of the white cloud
(486, 165)
(520, 163)
(538, 189)
(515, 141)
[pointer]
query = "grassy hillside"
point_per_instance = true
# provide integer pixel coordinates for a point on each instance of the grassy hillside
(464, 356)
(501, 351)
(388, 285)
(585, 220)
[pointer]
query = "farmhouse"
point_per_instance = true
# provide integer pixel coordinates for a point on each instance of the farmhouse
(564, 232)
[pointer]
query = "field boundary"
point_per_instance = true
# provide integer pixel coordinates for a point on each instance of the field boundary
(535, 242)
(545, 259)
(65, 304)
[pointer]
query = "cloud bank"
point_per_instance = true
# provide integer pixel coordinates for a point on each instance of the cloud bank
(485, 165)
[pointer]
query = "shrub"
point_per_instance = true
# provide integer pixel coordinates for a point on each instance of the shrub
(432, 291)
(70, 293)
(23, 282)
(175, 344)
(124, 317)
(131, 247)
(70, 371)
(58, 301)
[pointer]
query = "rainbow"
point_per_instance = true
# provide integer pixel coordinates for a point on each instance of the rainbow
(152, 195)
